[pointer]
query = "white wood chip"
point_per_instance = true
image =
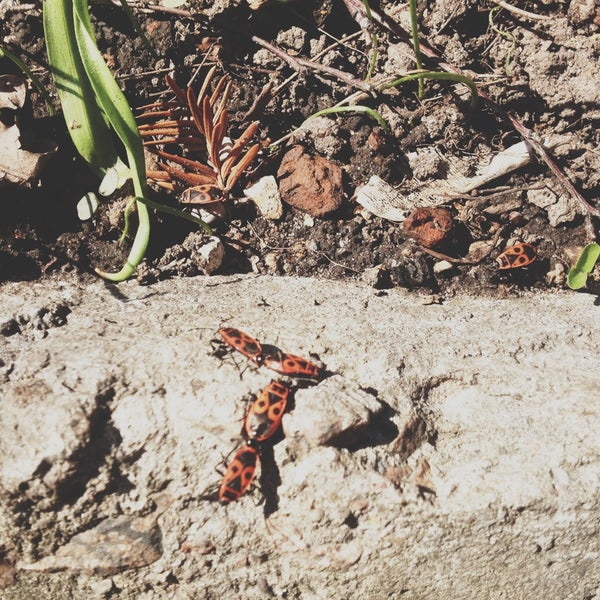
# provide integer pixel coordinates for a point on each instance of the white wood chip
(387, 202)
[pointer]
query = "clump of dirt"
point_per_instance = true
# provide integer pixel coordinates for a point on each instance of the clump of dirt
(539, 67)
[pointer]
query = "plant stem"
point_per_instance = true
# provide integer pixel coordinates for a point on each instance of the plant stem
(374, 42)
(358, 108)
(437, 75)
(414, 26)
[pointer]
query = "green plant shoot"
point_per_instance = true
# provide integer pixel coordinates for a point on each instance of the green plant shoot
(95, 108)
(438, 75)
(577, 276)
(117, 112)
(352, 109)
(414, 28)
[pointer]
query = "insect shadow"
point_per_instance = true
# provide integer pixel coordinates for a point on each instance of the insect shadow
(379, 431)
(270, 478)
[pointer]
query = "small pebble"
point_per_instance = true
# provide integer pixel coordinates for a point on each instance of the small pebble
(265, 195)
(430, 227)
(312, 184)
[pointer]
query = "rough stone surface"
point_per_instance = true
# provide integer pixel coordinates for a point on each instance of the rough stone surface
(557, 207)
(472, 470)
(112, 546)
(319, 132)
(310, 183)
(334, 413)
(580, 12)
(575, 62)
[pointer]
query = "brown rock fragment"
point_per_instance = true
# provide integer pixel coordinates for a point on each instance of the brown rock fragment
(429, 226)
(7, 574)
(311, 184)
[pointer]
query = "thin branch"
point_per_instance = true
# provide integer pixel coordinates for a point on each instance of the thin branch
(336, 43)
(519, 11)
(298, 64)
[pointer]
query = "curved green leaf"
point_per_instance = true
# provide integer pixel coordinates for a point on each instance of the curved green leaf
(118, 112)
(357, 108)
(577, 276)
(85, 122)
(109, 95)
(442, 75)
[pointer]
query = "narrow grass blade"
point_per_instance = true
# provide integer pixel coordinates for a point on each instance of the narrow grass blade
(135, 24)
(357, 109)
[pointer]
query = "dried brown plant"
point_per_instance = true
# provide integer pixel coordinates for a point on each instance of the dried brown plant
(208, 163)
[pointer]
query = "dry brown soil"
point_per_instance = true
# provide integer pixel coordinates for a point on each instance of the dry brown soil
(541, 67)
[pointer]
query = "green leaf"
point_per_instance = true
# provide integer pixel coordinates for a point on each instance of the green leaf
(357, 108)
(109, 95)
(577, 276)
(85, 122)
(118, 112)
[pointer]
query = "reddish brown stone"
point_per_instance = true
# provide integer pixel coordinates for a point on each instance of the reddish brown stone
(309, 183)
(429, 226)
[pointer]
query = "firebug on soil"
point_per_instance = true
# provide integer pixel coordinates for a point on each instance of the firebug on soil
(242, 342)
(201, 194)
(265, 413)
(519, 255)
(239, 475)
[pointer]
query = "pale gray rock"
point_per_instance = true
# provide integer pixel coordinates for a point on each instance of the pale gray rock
(558, 206)
(569, 74)
(468, 466)
(265, 194)
(113, 545)
(333, 413)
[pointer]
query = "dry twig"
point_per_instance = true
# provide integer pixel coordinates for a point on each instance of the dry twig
(520, 12)
(298, 64)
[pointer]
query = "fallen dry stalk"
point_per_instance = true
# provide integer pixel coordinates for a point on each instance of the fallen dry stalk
(210, 164)
(298, 64)
(519, 11)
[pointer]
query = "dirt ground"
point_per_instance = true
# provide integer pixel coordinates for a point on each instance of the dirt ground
(139, 432)
(540, 66)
